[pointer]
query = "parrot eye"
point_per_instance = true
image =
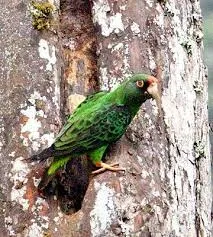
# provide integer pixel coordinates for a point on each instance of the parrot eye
(140, 84)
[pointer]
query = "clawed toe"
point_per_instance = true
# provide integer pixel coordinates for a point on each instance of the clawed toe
(105, 167)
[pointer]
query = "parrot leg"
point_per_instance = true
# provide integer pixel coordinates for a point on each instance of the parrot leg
(96, 157)
(105, 167)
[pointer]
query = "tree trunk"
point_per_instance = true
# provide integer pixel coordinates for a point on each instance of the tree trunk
(165, 190)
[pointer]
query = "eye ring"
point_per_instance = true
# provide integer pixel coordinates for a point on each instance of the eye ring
(140, 84)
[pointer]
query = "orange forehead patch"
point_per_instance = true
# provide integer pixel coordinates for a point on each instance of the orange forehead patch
(152, 79)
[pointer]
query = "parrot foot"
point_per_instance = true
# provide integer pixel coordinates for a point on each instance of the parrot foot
(105, 167)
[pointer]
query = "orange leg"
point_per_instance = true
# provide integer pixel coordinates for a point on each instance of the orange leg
(105, 167)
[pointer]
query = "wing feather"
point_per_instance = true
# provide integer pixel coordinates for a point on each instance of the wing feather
(88, 102)
(98, 128)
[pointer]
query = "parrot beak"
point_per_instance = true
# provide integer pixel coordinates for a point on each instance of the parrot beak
(153, 87)
(153, 90)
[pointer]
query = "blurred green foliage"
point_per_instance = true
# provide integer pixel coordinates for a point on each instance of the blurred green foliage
(208, 30)
(207, 12)
(207, 6)
(208, 53)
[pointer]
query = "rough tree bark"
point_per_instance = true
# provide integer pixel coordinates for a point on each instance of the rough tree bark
(166, 189)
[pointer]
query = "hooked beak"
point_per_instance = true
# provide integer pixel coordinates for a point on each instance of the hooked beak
(154, 91)
(153, 88)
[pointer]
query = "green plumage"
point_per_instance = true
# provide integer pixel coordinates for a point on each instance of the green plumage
(101, 119)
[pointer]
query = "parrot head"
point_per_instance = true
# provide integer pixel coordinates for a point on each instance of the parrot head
(137, 89)
(142, 87)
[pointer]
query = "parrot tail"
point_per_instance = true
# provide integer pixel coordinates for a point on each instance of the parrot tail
(46, 153)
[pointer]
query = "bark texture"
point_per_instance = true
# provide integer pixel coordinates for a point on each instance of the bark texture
(30, 116)
(166, 189)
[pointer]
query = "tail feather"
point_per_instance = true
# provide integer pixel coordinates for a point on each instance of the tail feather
(45, 154)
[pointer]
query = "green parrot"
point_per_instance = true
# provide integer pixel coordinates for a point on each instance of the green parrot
(101, 119)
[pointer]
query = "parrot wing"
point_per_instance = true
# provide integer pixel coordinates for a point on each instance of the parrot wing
(92, 127)
(88, 102)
